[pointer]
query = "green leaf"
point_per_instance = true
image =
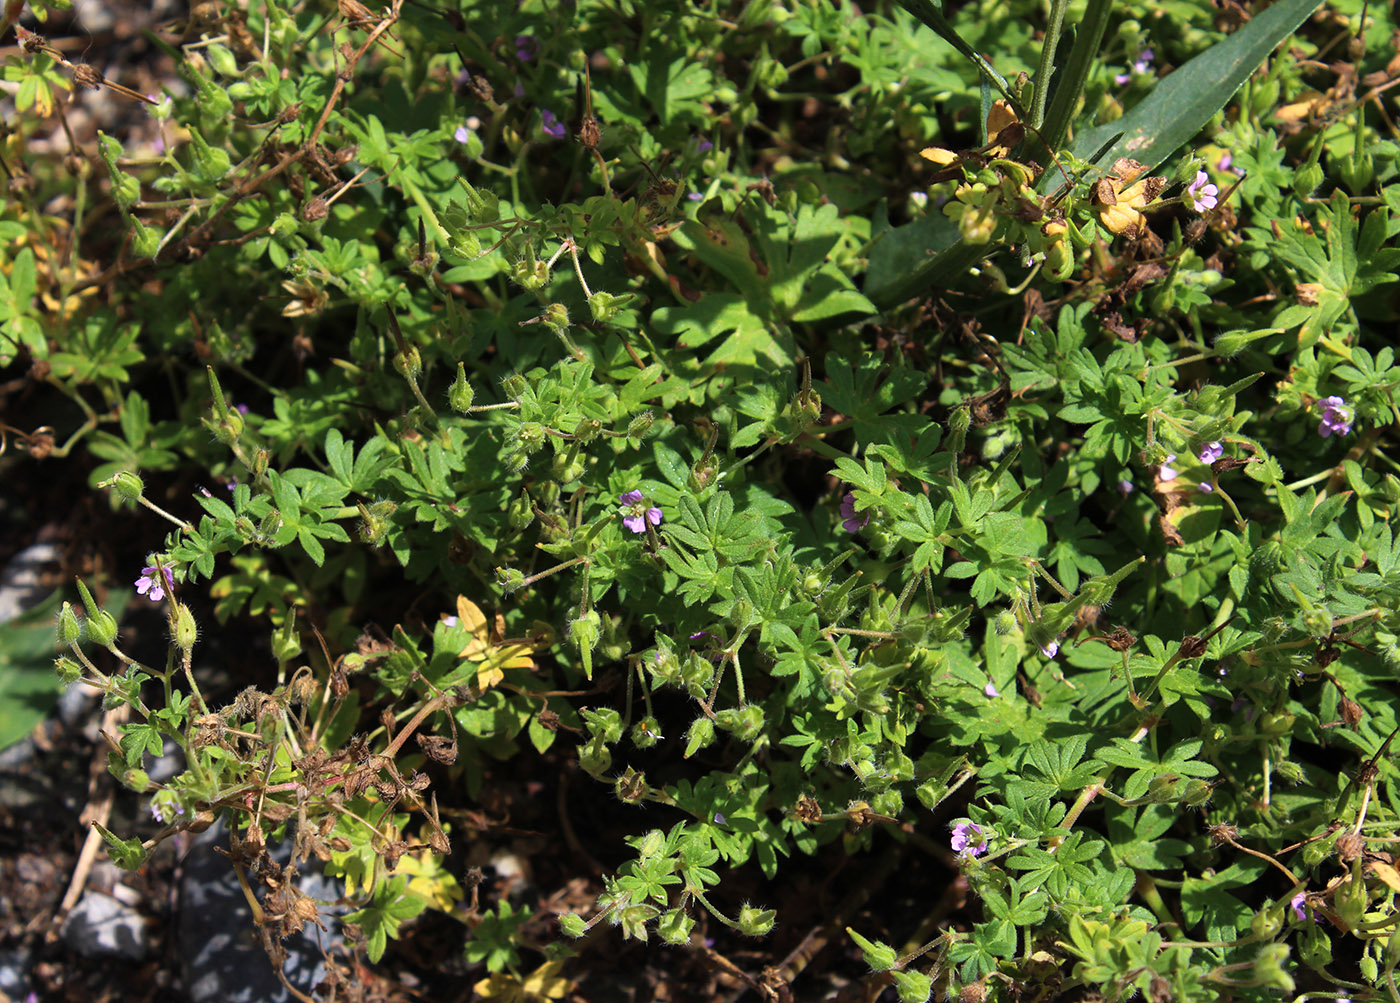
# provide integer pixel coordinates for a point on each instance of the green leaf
(1184, 100)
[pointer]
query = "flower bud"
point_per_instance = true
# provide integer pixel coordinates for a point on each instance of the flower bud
(70, 631)
(460, 395)
(145, 240)
(572, 925)
(755, 922)
(261, 458)
(556, 317)
(745, 722)
(1267, 922)
(1196, 793)
(128, 485)
(408, 363)
(374, 521)
(520, 512)
(509, 579)
(1307, 179)
(286, 643)
(69, 671)
(701, 734)
(646, 733)
(674, 928)
(1005, 622)
(514, 386)
(640, 425)
(913, 987)
(605, 306)
(594, 758)
(185, 633)
(1270, 968)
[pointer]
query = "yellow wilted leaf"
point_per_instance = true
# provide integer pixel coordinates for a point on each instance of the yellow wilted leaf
(430, 881)
(492, 657)
(543, 984)
(1387, 874)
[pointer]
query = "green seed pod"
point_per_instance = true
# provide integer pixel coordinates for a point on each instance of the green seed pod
(101, 627)
(1307, 179)
(509, 579)
(520, 512)
(881, 957)
(460, 395)
(556, 317)
(572, 925)
(1267, 922)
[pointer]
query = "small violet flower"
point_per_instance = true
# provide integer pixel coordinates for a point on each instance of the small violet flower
(1205, 487)
(150, 586)
(851, 522)
(1336, 417)
(1141, 65)
(967, 841)
(1203, 193)
(1211, 452)
(462, 134)
(703, 145)
(1296, 904)
(552, 126)
(1167, 472)
(1050, 650)
(991, 690)
(640, 513)
(527, 47)
(1125, 487)
(449, 621)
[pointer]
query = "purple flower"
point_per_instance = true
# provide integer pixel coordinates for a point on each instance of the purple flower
(1203, 193)
(1296, 904)
(1166, 472)
(703, 145)
(449, 621)
(1211, 452)
(1125, 487)
(552, 126)
(462, 134)
(1141, 65)
(1223, 164)
(527, 47)
(1205, 487)
(1050, 650)
(694, 196)
(851, 522)
(991, 690)
(640, 513)
(1336, 417)
(151, 587)
(967, 841)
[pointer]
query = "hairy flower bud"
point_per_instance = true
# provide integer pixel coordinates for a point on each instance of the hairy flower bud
(700, 735)
(640, 425)
(755, 922)
(409, 363)
(509, 579)
(460, 395)
(572, 925)
(184, 631)
(69, 671)
(69, 629)
(673, 928)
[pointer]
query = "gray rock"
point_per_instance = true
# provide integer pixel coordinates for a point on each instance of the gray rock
(15, 963)
(100, 926)
(170, 763)
(20, 587)
(15, 756)
(223, 961)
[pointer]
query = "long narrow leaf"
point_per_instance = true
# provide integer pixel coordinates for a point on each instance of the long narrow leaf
(930, 15)
(1185, 100)
(1088, 36)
